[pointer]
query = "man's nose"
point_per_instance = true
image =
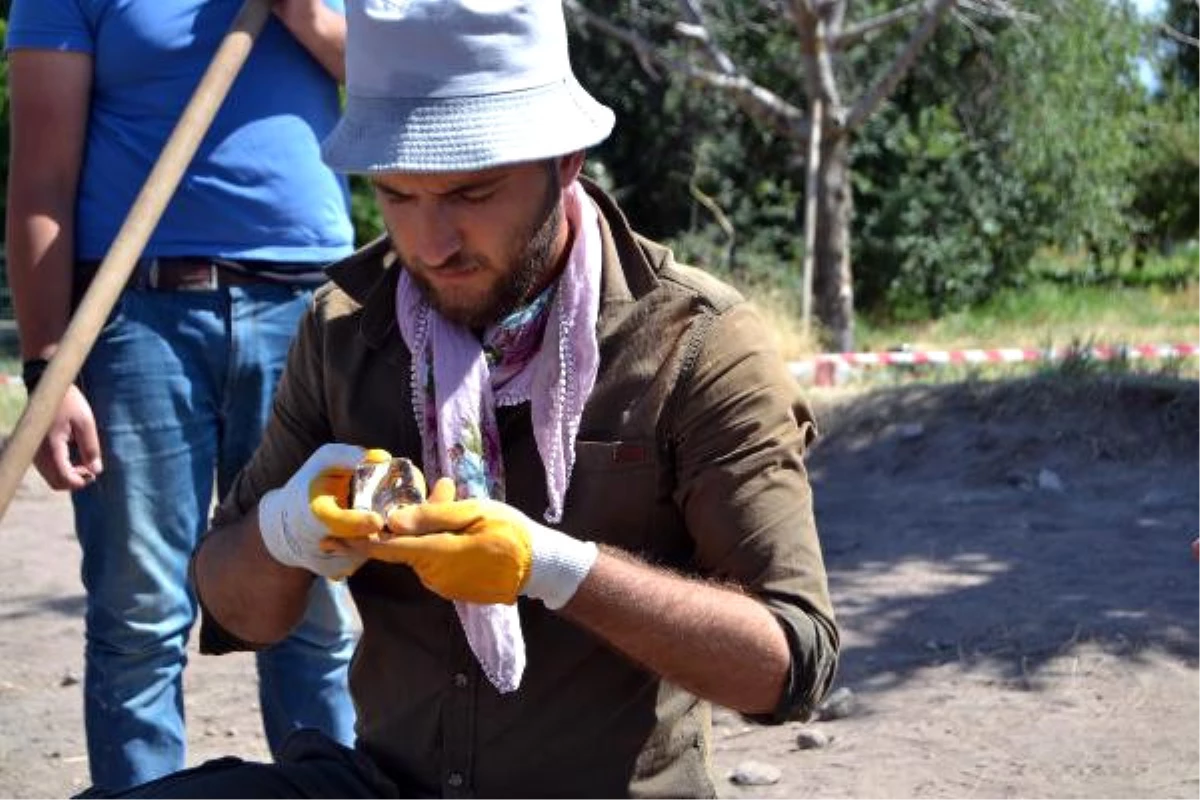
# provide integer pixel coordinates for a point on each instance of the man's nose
(436, 239)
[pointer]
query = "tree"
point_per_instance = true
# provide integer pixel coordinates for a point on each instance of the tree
(1075, 106)
(1180, 31)
(821, 122)
(1166, 204)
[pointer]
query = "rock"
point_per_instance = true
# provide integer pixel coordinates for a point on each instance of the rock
(1161, 498)
(69, 678)
(755, 773)
(811, 739)
(839, 705)
(1048, 481)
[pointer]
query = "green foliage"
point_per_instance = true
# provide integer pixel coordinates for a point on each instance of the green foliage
(1165, 207)
(364, 211)
(1074, 107)
(940, 223)
(688, 166)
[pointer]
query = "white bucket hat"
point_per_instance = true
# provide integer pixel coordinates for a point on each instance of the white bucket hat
(458, 85)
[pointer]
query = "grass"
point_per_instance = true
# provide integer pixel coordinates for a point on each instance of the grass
(1054, 314)
(1051, 314)
(12, 395)
(1048, 316)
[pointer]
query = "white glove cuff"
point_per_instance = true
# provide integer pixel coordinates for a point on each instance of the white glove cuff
(282, 542)
(559, 565)
(291, 542)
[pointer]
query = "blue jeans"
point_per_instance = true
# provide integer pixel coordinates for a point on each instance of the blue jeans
(181, 386)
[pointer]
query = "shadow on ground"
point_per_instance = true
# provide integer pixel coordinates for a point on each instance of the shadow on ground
(1001, 525)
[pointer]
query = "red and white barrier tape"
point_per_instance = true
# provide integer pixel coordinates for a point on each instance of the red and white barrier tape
(827, 369)
(824, 369)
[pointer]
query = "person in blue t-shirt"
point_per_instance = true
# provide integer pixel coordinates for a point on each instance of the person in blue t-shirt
(174, 395)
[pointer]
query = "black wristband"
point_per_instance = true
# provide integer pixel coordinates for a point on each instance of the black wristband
(31, 372)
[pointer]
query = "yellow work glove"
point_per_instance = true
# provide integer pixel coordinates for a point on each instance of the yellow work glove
(295, 518)
(481, 551)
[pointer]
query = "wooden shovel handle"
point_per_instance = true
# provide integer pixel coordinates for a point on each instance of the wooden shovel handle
(122, 256)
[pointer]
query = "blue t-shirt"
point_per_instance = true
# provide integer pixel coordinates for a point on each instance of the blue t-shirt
(257, 188)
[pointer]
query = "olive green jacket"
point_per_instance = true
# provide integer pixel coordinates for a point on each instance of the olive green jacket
(690, 455)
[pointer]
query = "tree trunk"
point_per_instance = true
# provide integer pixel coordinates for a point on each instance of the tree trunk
(833, 285)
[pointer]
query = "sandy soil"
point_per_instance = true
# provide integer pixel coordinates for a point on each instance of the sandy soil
(1010, 565)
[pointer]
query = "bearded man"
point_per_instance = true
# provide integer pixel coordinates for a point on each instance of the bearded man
(620, 532)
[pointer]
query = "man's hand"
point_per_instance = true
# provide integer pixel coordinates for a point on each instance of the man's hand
(481, 551)
(313, 505)
(75, 425)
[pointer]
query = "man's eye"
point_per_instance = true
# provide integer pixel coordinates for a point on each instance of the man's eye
(476, 195)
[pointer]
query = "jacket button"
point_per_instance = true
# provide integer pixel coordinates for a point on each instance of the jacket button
(455, 779)
(461, 680)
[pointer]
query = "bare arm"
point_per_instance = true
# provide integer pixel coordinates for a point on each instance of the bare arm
(244, 589)
(320, 29)
(713, 641)
(48, 127)
(49, 102)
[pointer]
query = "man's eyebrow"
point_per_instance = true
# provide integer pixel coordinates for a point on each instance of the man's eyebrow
(383, 187)
(476, 184)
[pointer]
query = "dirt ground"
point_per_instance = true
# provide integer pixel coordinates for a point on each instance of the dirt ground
(1010, 564)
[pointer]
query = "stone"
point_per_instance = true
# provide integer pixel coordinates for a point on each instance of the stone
(755, 773)
(839, 705)
(811, 739)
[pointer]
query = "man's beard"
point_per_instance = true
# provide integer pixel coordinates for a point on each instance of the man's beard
(515, 288)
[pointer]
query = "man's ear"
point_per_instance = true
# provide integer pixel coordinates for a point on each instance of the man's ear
(569, 167)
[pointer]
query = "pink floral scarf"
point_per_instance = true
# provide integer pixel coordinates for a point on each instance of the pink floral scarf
(546, 354)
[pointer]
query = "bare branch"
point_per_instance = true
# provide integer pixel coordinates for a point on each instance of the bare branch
(819, 80)
(1179, 35)
(694, 19)
(976, 30)
(894, 73)
(1001, 9)
(856, 33)
(758, 101)
(721, 218)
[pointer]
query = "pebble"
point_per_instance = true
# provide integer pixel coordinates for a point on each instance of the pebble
(811, 739)
(1048, 481)
(755, 773)
(839, 705)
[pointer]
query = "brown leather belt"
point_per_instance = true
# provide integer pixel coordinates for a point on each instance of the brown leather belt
(184, 274)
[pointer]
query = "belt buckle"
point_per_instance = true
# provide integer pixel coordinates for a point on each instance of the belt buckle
(162, 276)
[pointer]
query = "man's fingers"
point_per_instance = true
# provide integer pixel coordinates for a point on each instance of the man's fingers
(345, 522)
(443, 491)
(87, 444)
(436, 516)
(53, 462)
(411, 550)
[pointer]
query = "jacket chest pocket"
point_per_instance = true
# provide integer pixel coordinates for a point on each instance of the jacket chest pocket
(615, 495)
